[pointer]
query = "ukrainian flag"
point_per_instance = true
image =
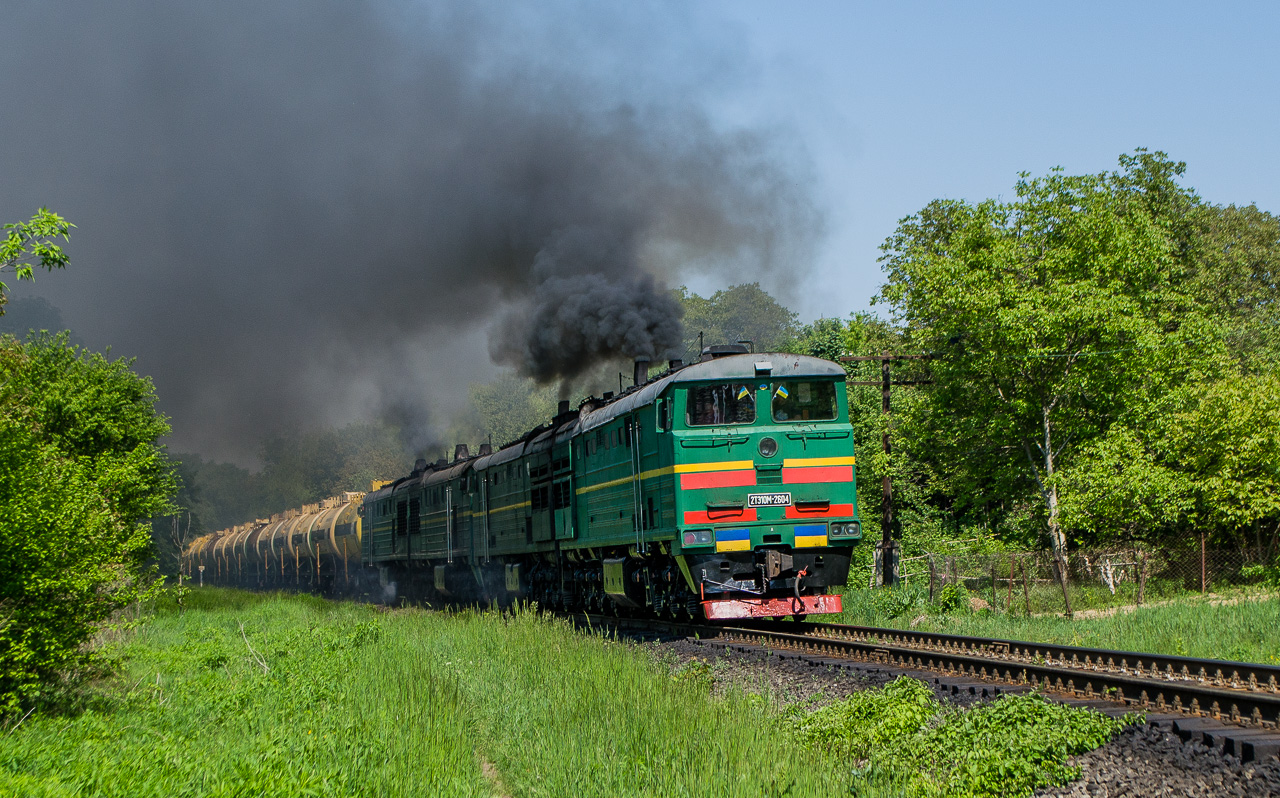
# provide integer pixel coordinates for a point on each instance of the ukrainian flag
(733, 540)
(743, 393)
(810, 535)
(782, 391)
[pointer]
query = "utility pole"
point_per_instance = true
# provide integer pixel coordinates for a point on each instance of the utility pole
(888, 548)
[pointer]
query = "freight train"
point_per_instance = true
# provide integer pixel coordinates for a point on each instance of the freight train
(718, 489)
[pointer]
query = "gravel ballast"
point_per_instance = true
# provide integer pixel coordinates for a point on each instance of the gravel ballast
(1143, 760)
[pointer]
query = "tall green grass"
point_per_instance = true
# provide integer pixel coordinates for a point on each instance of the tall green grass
(1188, 626)
(258, 696)
(245, 695)
(560, 713)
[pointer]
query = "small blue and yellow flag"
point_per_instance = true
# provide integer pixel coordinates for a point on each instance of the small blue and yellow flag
(743, 393)
(782, 391)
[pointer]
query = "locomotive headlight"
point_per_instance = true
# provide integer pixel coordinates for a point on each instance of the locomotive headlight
(768, 447)
(697, 537)
(850, 530)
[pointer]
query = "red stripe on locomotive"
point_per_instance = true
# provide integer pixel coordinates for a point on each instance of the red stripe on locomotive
(834, 511)
(719, 516)
(797, 476)
(718, 479)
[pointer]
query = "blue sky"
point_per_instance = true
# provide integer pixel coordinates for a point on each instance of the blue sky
(902, 103)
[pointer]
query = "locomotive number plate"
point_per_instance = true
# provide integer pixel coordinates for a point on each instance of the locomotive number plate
(768, 499)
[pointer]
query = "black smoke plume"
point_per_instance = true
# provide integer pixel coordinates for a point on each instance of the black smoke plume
(317, 212)
(590, 302)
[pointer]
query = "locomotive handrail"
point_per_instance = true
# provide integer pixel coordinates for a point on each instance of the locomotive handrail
(713, 442)
(826, 434)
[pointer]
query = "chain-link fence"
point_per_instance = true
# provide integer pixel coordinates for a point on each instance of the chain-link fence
(1031, 582)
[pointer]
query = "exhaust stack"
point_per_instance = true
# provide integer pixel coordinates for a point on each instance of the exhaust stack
(641, 375)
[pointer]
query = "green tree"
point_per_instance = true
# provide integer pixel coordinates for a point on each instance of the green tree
(81, 473)
(1236, 270)
(305, 467)
(211, 496)
(866, 334)
(29, 245)
(1051, 316)
(739, 312)
(504, 409)
(1225, 435)
(1121, 488)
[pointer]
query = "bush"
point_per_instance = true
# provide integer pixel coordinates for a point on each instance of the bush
(953, 597)
(79, 472)
(900, 740)
(871, 719)
(1258, 573)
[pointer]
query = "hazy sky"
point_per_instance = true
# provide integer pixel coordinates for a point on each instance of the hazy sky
(319, 211)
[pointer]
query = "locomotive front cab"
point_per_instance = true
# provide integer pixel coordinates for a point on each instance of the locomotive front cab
(766, 504)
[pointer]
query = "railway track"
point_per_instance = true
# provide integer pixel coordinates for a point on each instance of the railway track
(1233, 706)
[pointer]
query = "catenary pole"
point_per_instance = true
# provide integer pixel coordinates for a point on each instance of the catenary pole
(888, 548)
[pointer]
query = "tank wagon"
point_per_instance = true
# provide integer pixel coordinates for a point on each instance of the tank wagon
(723, 489)
(316, 547)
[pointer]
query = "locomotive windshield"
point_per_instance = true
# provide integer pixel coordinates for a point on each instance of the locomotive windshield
(804, 401)
(725, 403)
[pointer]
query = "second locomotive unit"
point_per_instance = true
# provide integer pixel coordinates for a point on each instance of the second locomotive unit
(722, 489)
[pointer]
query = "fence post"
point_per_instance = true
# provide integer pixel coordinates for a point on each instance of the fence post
(1203, 585)
(931, 573)
(1060, 563)
(1026, 588)
(994, 561)
(1008, 599)
(1142, 575)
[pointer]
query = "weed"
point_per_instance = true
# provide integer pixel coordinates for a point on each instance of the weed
(695, 671)
(953, 598)
(899, 740)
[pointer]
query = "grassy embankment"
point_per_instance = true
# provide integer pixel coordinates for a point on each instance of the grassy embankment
(1240, 628)
(248, 695)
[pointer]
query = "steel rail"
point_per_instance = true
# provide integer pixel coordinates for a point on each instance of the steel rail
(1047, 668)
(1222, 674)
